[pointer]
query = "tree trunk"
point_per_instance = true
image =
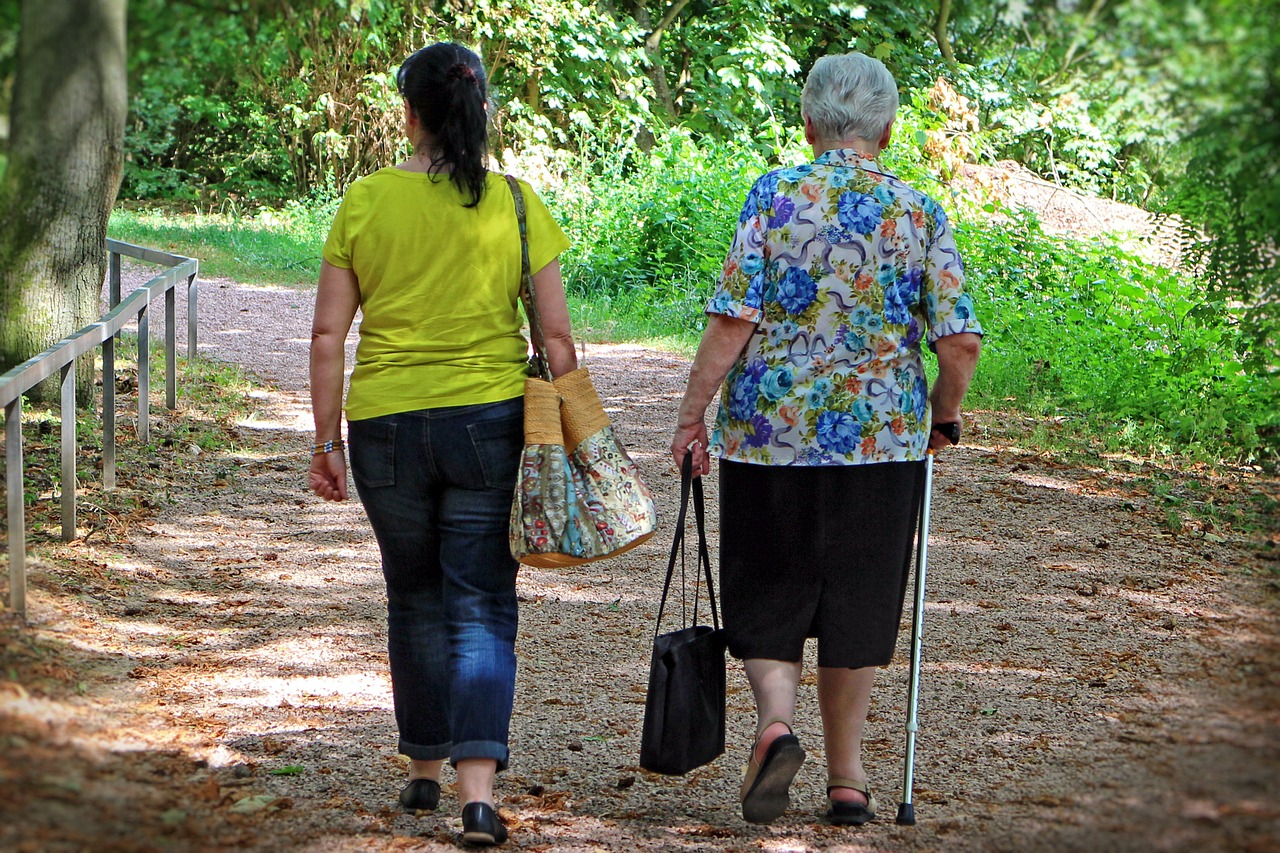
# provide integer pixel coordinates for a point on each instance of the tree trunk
(65, 160)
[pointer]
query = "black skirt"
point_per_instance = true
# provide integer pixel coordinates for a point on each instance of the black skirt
(819, 552)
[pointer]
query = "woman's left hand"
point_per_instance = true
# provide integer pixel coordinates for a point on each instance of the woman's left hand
(328, 475)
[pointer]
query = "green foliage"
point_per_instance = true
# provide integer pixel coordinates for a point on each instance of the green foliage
(1227, 195)
(285, 98)
(8, 51)
(269, 99)
(1095, 95)
(271, 102)
(1087, 329)
(653, 228)
(644, 253)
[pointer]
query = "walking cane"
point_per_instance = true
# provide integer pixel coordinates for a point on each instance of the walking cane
(906, 808)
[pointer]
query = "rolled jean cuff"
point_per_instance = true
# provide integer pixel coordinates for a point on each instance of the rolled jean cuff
(417, 752)
(470, 749)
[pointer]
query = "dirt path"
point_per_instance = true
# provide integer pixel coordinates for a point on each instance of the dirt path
(217, 678)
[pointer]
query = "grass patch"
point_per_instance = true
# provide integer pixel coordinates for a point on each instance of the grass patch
(270, 247)
(605, 320)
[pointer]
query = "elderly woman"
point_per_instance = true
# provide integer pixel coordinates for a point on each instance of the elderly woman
(837, 273)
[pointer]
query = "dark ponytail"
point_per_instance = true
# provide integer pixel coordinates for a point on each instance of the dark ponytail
(446, 89)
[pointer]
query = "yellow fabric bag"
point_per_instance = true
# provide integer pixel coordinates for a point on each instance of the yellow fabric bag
(579, 496)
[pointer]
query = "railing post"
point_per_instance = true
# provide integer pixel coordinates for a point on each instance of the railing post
(113, 297)
(62, 358)
(17, 519)
(170, 352)
(109, 413)
(69, 451)
(144, 373)
(193, 293)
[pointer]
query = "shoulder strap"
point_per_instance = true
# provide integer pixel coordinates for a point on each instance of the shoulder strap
(538, 362)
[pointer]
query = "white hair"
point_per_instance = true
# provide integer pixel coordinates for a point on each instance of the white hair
(849, 96)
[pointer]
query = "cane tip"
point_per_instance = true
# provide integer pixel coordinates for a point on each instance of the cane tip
(906, 814)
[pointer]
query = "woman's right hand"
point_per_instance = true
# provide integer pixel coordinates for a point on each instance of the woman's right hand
(722, 342)
(328, 475)
(691, 439)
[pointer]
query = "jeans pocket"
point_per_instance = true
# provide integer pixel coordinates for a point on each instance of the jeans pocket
(372, 446)
(498, 443)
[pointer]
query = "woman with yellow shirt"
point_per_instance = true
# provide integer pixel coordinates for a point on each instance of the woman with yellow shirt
(429, 252)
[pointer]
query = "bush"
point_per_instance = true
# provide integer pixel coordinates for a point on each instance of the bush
(1087, 329)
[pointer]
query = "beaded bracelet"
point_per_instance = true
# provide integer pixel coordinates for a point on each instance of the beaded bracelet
(328, 446)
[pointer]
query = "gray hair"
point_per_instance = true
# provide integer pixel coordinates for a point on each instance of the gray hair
(850, 95)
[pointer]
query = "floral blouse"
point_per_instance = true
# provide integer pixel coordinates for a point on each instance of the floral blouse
(846, 269)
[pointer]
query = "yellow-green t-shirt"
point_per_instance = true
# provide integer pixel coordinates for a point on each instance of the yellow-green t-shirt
(439, 285)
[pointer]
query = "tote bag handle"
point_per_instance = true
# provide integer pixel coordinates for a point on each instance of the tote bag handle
(689, 485)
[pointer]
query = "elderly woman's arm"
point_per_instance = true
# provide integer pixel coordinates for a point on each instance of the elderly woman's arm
(722, 343)
(553, 317)
(337, 299)
(957, 359)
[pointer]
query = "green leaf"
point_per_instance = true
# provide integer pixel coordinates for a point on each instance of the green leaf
(1131, 291)
(289, 770)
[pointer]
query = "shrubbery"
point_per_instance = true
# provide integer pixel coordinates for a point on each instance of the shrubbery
(1074, 328)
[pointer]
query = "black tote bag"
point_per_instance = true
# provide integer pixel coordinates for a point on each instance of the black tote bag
(685, 705)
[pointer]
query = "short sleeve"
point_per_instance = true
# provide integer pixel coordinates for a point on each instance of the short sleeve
(337, 247)
(740, 293)
(949, 307)
(546, 239)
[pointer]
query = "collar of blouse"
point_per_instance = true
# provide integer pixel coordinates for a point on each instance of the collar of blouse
(852, 157)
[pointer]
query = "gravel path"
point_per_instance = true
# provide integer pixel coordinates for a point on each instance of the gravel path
(1092, 680)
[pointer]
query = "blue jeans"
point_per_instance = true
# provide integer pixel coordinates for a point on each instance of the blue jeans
(437, 485)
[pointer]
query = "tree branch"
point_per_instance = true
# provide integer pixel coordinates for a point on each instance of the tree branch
(940, 30)
(652, 39)
(1077, 41)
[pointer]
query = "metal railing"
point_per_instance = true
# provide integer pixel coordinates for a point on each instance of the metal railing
(62, 357)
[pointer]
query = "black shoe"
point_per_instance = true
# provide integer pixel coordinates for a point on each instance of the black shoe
(481, 825)
(420, 795)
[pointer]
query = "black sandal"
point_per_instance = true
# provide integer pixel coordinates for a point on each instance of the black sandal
(766, 790)
(851, 814)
